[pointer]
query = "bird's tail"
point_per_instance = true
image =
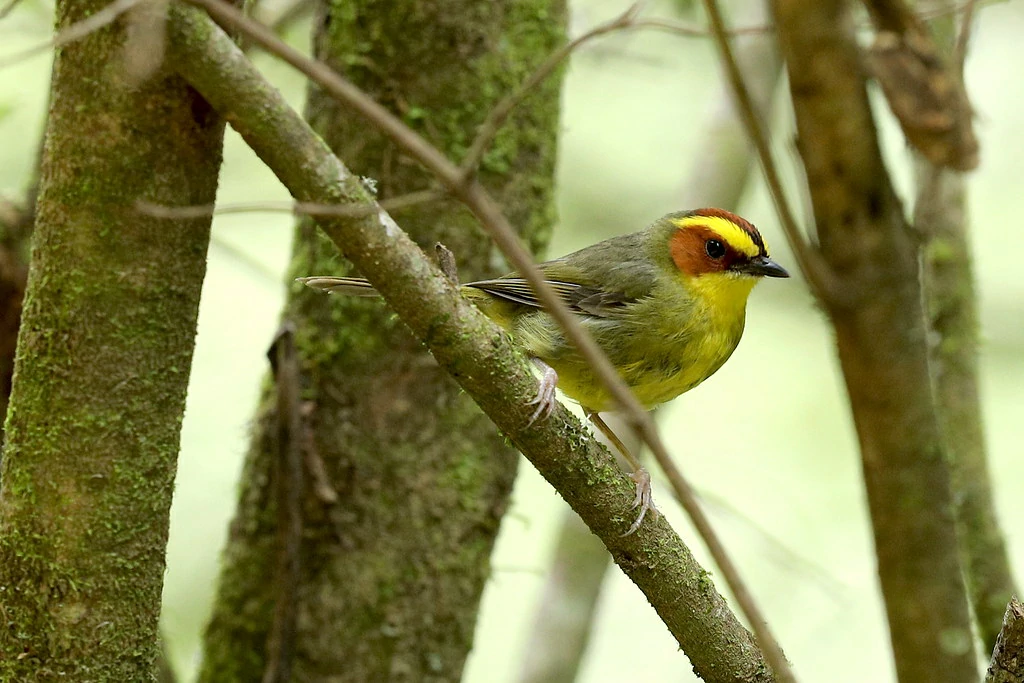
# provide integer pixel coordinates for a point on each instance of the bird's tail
(351, 286)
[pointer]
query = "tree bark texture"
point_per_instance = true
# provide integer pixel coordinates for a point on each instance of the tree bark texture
(882, 342)
(952, 311)
(102, 366)
(393, 571)
(941, 217)
(1007, 665)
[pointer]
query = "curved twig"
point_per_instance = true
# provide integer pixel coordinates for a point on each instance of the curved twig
(76, 31)
(821, 280)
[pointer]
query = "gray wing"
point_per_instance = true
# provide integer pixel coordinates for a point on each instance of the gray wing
(579, 298)
(576, 278)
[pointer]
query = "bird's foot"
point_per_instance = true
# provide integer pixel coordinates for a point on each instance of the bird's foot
(644, 498)
(545, 399)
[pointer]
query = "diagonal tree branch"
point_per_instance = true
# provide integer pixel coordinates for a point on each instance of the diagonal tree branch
(476, 199)
(472, 349)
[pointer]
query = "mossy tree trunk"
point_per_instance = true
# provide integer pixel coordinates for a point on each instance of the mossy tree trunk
(102, 366)
(392, 572)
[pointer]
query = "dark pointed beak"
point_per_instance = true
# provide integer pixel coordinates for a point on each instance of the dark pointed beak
(761, 266)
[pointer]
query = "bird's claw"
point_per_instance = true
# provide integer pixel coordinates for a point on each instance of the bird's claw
(644, 499)
(545, 398)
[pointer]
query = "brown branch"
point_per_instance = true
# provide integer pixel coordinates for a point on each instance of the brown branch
(923, 90)
(465, 342)
(721, 166)
(691, 31)
(476, 199)
(289, 485)
(940, 217)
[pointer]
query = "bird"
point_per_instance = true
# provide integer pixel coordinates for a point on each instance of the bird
(667, 305)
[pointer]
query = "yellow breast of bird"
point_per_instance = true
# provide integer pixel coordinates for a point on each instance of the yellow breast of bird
(660, 350)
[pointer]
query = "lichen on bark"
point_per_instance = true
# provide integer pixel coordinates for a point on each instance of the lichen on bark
(393, 571)
(102, 366)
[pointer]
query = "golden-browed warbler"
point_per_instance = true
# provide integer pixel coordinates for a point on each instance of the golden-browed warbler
(666, 304)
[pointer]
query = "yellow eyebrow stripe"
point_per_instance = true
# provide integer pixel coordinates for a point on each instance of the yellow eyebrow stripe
(735, 236)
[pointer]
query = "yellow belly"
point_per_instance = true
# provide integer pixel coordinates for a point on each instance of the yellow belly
(658, 362)
(661, 374)
(661, 348)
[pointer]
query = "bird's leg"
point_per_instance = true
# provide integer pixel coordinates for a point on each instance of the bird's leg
(644, 498)
(545, 399)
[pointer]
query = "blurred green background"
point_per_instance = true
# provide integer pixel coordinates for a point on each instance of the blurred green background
(634, 110)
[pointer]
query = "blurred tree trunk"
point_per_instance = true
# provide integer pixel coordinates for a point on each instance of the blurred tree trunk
(941, 216)
(16, 222)
(392, 572)
(102, 367)
(882, 342)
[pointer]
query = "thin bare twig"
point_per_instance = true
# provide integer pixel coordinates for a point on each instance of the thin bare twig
(501, 111)
(477, 200)
(76, 31)
(8, 8)
(291, 13)
(954, 8)
(301, 208)
(691, 31)
(810, 262)
(627, 20)
(963, 38)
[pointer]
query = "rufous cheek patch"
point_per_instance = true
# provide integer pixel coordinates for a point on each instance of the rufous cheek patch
(688, 251)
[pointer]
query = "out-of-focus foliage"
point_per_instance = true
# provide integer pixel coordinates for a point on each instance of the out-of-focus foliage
(632, 109)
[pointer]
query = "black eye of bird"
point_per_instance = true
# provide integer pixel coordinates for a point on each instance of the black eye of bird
(714, 248)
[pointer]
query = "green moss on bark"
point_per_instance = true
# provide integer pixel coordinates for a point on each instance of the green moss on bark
(394, 571)
(102, 367)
